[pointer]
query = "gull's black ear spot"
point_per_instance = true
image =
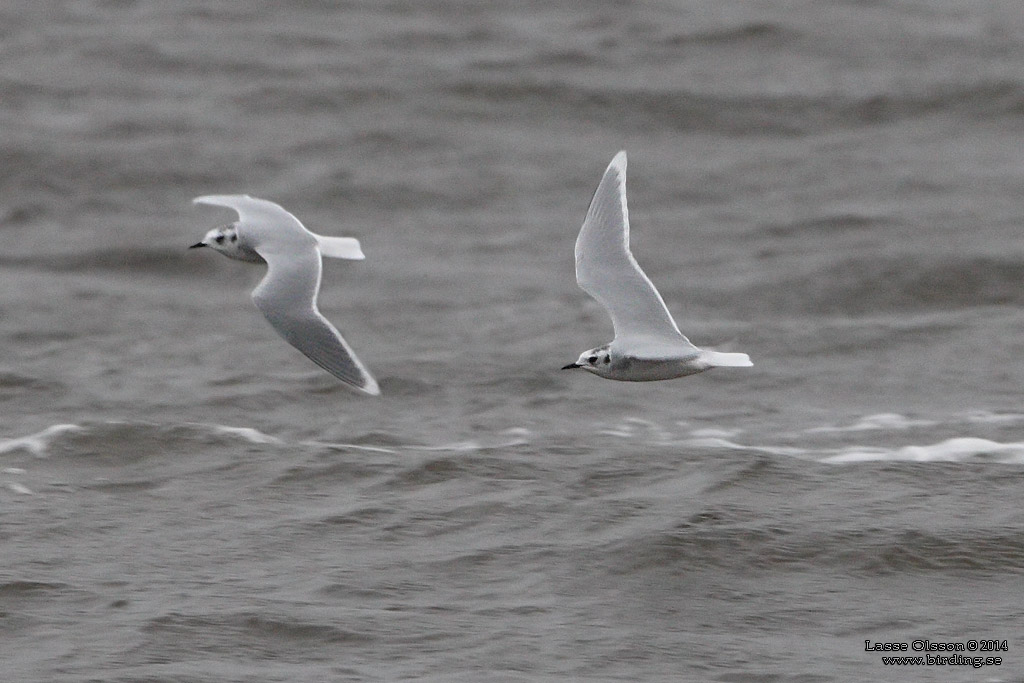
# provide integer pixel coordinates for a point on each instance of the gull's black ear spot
(234, 237)
(607, 360)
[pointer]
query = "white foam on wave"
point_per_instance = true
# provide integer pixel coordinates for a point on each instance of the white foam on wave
(961, 449)
(964, 449)
(347, 447)
(880, 421)
(507, 438)
(516, 436)
(18, 488)
(986, 417)
(715, 432)
(39, 443)
(898, 422)
(716, 442)
(245, 433)
(631, 427)
(13, 485)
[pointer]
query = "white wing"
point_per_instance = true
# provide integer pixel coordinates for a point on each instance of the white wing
(287, 298)
(607, 271)
(267, 222)
(255, 213)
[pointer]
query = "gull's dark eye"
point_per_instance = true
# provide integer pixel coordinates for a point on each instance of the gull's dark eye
(219, 239)
(592, 360)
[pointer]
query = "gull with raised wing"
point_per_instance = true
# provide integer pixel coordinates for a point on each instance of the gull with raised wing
(266, 233)
(648, 345)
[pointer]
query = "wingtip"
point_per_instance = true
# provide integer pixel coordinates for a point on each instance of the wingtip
(357, 252)
(619, 159)
(213, 199)
(371, 387)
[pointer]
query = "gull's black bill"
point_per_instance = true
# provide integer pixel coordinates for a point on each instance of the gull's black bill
(197, 245)
(570, 366)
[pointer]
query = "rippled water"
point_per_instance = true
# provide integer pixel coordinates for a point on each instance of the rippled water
(831, 187)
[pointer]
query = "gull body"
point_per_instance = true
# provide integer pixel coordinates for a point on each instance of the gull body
(266, 233)
(648, 345)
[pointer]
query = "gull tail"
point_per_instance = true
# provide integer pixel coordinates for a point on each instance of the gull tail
(717, 359)
(340, 247)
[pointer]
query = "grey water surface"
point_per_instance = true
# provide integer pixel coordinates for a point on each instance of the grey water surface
(835, 188)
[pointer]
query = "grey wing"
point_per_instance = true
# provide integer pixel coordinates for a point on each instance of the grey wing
(607, 271)
(287, 298)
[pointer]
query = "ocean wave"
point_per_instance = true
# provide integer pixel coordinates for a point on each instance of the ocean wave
(832, 224)
(891, 283)
(306, 474)
(288, 96)
(17, 487)
(40, 443)
(964, 449)
(251, 634)
(791, 114)
(960, 449)
(131, 259)
(895, 422)
(725, 444)
(11, 382)
(22, 588)
(634, 427)
(970, 549)
(881, 421)
(128, 441)
(763, 33)
(987, 417)
(714, 541)
(124, 442)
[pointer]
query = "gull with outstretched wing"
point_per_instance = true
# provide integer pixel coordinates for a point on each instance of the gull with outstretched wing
(648, 344)
(266, 233)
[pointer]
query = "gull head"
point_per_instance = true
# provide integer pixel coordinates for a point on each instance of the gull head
(225, 240)
(596, 360)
